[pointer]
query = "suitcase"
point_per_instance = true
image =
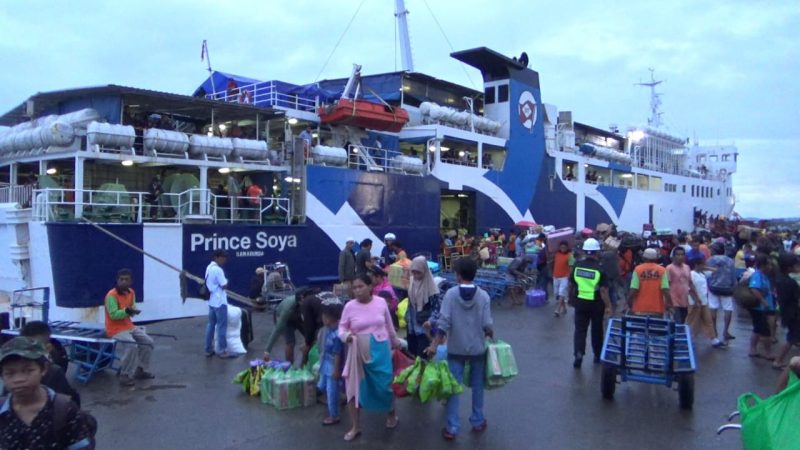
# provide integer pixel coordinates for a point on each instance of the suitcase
(535, 298)
(247, 327)
(555, 237)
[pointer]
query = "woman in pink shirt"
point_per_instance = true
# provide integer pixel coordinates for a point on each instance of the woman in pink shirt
(366, 328)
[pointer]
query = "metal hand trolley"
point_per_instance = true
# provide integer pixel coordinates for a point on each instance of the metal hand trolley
(648, 350)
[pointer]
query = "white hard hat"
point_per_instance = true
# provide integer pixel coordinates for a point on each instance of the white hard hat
(591, 245)
(650, 254)
(389, 237)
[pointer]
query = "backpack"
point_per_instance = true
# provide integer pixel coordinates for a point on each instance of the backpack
(204, 292)
(61, 406)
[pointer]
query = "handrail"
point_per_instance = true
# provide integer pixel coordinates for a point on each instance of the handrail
(58, 205)
(21, 194)
(265, 93)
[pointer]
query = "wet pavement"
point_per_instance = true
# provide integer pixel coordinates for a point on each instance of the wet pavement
(193, 404)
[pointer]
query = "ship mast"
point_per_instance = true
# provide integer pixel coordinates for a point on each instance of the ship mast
(405, 41)
(655, 101)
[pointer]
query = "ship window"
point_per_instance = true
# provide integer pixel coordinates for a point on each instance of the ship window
(718, 192)
(684, 188)
(569, 170)
(725, 157)
(502, 93)
(623, 179)
(655, 184)
(712, 158)
(692, 190)
(642, 182)
(488, 94)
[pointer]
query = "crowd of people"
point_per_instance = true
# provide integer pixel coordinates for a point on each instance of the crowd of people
(688, 277)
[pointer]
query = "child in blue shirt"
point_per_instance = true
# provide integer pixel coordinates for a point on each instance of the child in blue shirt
(331, 359)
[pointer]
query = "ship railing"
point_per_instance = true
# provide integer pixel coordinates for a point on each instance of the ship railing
(104, 206)
(247, 210)
(21, 194)
(265, 93)
(376, 159)
(461, 160)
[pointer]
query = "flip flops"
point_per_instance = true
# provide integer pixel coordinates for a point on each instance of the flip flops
(329, 421)
(351, 435)
(392, 424)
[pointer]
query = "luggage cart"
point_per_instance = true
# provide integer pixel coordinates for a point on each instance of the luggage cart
(648, 350)
(274, 290)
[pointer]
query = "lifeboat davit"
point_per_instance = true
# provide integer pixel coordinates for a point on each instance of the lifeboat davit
(364, 114)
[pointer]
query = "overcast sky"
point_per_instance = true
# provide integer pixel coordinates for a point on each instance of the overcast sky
(731, 67)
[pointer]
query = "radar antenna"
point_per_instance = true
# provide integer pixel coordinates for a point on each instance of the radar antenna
(655, 100)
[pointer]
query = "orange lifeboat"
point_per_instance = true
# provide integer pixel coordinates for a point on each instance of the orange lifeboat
(364, 114)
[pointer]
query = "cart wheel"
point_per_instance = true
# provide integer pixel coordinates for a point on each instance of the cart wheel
(608, 382)
(686, 390)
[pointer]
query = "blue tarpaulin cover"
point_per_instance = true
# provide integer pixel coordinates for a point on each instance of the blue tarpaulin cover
(220, 83)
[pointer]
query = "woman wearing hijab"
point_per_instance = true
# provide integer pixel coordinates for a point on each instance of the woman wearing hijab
(367, 331)
(423, 306)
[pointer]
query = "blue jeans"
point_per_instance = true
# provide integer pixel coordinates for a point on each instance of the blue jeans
(217, 318)
(477, 369)
(332, 391)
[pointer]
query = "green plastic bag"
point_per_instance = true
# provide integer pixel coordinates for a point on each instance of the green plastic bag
(446, 379)
(414, 378)
(265, 391)
(309, 388)
(431, 382)
(466, 376)
(313, 357)
(402, 377)
(771, 424)
(450, 385)
(501, 366)
(243, 378)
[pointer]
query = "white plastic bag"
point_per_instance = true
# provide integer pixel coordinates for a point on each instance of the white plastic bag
(233, 336)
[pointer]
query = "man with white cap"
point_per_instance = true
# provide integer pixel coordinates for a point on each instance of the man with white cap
(388, 254)
(347, 266)
(649, 292)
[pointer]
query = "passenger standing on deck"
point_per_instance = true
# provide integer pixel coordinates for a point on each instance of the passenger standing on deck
(587, 283)
(680, 285)
(217, 305)
(308, 140)
(423, 306)
(364, 258)
(154, 191)
(347, 266)
(135, 346)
